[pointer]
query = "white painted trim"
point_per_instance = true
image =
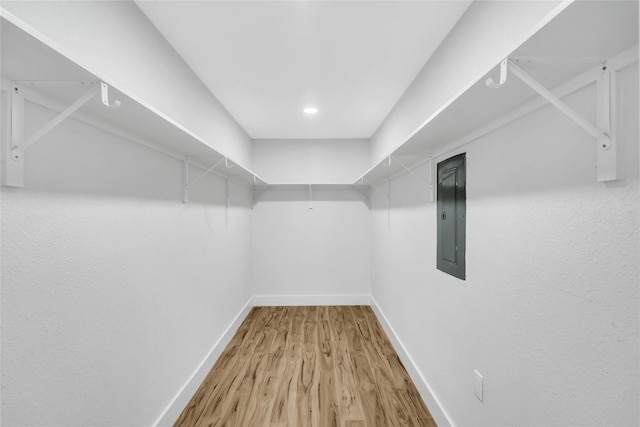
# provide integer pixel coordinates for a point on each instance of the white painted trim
(438, 413)
(180, 401)
(275, 300)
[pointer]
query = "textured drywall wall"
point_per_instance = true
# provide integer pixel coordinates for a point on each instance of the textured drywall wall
(320, 251)
(115, 41)
(310, 160)
(549, 311)
(488, 32)
(113, 291)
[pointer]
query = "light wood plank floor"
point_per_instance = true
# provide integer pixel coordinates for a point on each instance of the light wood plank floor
(308, 366)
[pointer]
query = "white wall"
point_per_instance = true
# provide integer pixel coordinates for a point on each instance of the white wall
(310, 160)
(113, 291)
(549, 311)
(488, 32)
(324, 251)
(115, 41)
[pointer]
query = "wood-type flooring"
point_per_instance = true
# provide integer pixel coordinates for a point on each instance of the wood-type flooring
(308, 366)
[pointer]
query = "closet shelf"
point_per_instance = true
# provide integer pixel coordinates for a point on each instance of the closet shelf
(566, 64)
(130, 121)
(559, 63)
(363, 190)
(36, 73)
(303, 186)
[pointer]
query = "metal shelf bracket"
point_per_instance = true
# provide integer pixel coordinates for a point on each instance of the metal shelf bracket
(104, 92)
(14, 174)
(606, 148)
(187, 184)
(607, 154)
(503, 77)
(365, 194)
(257, 195)
(416, 174)
(226, 201)
(185, 194)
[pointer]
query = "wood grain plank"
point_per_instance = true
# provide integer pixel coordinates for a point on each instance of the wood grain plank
(284, 411)
(308, 367)
(369, 393)
(346, 385)
(229, 365)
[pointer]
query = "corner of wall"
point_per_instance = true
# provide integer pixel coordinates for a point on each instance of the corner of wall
(182, 398)
(438, 413)
(276, 300)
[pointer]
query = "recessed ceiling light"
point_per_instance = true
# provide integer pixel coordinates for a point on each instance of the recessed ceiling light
(310, 110)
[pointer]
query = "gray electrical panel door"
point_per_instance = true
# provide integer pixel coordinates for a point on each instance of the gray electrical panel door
(452, 206)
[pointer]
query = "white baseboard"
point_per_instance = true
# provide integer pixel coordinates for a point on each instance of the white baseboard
(274, 300)
(439, 415)
(174, 409)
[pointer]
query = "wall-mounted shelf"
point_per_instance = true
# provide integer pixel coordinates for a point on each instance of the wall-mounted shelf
(564, 64)
(598, 35)
(260, 189)
(36, 73)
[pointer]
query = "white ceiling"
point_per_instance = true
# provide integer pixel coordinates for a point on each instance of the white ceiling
(267, 60)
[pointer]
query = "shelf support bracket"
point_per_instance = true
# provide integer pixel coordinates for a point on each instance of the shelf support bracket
(185, 195)
(365, 194)
(606, 162)
(17, 151)
(423, 179)
(188, 184)
(389, 200)
(310, 198)
(503, 77)
(226, 202)
(14, 167)
(15, 162)
(557, 102)
(104, 92)
(205, 173)
(257, 195)
(379, 190)
(607, 154)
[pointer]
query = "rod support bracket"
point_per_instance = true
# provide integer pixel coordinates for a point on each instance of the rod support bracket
(503, 76)
(104, 92)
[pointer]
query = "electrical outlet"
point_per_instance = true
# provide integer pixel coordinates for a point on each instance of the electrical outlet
(477, 384)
